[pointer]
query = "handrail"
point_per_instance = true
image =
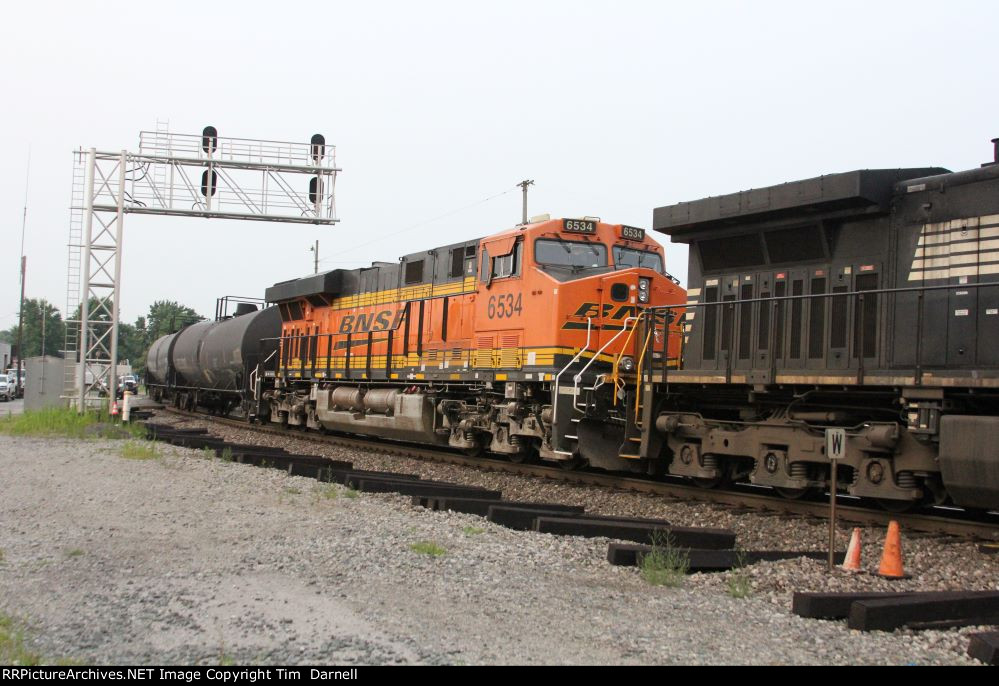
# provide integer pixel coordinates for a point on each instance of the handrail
(859, 297)
(579, 376)
(617, 360)
(638, 368)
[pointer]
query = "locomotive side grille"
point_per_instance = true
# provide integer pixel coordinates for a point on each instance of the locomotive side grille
(483, 356)
(509, 353)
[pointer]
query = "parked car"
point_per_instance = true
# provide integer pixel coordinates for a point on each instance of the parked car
(6, 388)
(127, 383)
(16, 389)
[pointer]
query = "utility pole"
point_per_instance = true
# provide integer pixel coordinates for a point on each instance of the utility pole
(20, 325)
(315, 265)
(24, 265)
(524, 184)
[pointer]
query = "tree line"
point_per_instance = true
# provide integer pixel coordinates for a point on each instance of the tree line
(44, 331)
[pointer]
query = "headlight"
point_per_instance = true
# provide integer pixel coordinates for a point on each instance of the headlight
(627, 364)
(643, 290)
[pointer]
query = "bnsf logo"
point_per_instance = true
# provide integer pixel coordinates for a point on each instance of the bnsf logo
(596, 311)
(372, 321)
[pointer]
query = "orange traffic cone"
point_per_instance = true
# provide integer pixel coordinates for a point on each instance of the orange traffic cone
(851, 562)
(114, 408)
(891, 558)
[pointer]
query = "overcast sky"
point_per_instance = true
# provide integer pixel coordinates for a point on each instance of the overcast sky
(613, 108)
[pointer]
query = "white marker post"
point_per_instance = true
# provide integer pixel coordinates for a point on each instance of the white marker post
(835, 451)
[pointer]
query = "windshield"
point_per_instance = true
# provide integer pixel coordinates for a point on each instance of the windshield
(3, 378)
(628, 258)
(562, 253)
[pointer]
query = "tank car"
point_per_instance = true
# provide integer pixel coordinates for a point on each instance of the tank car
(866, 300)
(212, 364)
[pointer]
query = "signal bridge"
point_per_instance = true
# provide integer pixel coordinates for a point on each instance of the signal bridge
(181, 175)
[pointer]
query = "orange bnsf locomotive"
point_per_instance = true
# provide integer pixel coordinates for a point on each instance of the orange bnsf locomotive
(525, 343)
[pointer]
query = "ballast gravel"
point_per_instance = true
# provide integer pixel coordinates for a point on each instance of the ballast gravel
(184, 559)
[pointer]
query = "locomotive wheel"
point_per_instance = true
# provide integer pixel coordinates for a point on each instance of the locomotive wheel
(895, 506)
(708, 484)
(572, 464)
(477, 451)
(723, 478)
(791, 493)
(529, 456)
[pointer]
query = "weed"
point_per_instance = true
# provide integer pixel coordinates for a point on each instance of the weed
(139, 450)
(75, 552)
(1, 556)
(292, 490)
(208, 453)
(738, 584)
(53, 421)
(12, 649)
(351, 493)
(428, 548)
(136, 431)
(665, 564)
(225, 659)
(329, 492)
(472, 531)
(226, 455)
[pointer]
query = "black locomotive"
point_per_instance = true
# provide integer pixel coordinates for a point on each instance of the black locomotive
(866, 300)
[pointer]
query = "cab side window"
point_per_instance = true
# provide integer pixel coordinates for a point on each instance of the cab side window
(508, 265)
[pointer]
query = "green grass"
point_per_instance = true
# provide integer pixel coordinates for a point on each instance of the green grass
(472, 530)
(75, 552)
(329, 492)
(738, 584)
(351, 493)
(12, 648)
(428, 548)
(53, 421)
(665, 564)
(139, 450)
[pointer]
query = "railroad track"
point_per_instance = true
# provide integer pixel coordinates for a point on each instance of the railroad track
(950, 522)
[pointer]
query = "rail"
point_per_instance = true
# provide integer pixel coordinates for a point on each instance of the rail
(946, 521)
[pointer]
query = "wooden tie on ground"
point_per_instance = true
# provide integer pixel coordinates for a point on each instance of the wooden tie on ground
(641, 532)
(985, 647)
(630, 555)
(888, 611)
(566, 520)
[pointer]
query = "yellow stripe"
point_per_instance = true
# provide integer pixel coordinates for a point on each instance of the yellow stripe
(544, 357)
(398, 295)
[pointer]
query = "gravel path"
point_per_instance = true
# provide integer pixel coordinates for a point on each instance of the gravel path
(182, 559)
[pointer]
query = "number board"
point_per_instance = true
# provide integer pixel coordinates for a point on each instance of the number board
(835, 444)
(579, 226)
(630, 233)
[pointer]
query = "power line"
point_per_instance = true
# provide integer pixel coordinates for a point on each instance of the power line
(428, 221)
